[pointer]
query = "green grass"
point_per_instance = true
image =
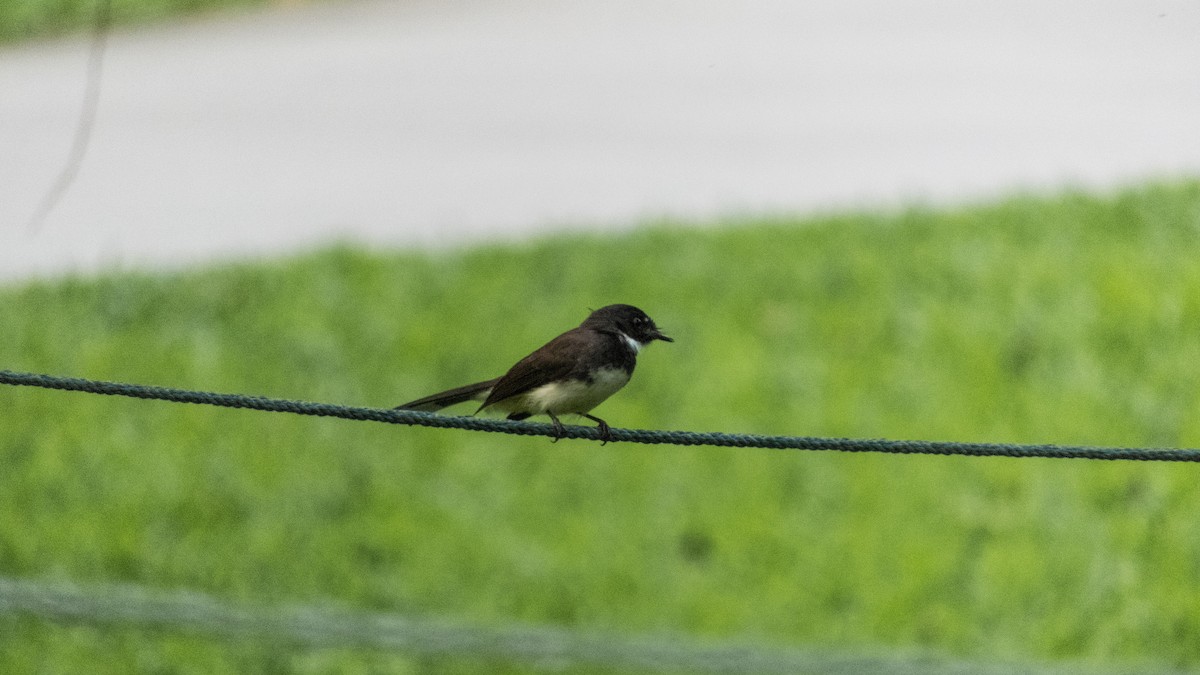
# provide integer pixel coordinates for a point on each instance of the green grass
(27, 19)
(1065, 319)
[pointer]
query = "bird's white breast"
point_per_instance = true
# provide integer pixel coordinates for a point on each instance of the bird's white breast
(575, 396)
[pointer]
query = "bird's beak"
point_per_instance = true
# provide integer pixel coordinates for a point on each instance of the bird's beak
(658, 335)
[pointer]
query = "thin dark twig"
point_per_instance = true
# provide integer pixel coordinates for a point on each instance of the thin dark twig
(87, 120)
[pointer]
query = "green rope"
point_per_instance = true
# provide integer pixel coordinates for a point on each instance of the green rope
(551, 647)
(424, 419)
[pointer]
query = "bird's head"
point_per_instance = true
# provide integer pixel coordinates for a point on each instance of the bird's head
(628, 320)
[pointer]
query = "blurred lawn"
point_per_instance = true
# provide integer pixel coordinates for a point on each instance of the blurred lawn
(1065, 319)
(24, 19)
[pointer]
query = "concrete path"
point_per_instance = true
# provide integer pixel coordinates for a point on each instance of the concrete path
(417, 123)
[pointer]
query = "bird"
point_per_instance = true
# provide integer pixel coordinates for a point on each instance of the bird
(571, 374)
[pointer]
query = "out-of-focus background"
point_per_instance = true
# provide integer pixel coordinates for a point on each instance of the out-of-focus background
(415, 123)
(944, 221)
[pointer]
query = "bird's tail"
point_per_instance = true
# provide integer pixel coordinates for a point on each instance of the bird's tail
(435, 402)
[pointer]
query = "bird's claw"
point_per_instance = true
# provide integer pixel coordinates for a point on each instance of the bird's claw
(560, 432)
(604, 432)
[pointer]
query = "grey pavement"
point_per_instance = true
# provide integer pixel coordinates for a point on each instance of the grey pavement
(416, 123)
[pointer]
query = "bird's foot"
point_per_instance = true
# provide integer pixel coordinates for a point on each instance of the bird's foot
(602, 427)
(560, 432)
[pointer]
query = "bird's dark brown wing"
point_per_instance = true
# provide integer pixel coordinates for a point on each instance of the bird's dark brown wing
(557, 360)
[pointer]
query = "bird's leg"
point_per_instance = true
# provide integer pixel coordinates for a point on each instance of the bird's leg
(605, 432)
(559, 429)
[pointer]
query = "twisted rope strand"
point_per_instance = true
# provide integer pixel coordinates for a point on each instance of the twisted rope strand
(425, 419)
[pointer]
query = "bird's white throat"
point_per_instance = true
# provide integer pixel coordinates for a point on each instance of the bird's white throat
(633, 344)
